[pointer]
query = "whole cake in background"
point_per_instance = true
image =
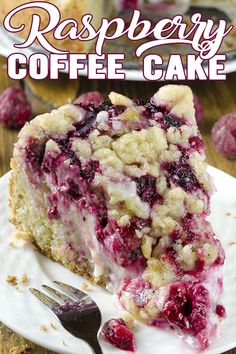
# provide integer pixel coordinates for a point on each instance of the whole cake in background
(118, 192)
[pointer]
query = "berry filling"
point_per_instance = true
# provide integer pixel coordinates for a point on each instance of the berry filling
(139, 288)
(181, 175)
(146, 189)
(122, 245)
(116, 332)
(187, 307)
(220, 311)
(170, 121)
(34, 153)
(196, 143)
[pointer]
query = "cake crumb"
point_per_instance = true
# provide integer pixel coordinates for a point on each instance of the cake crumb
(129, 320)
(12, 280)
(20, 235)
(64, 343)
(43, 328)
(20, 350)
(24, 279)
(11, 245)
(228, 214)
(84, 286)
(232, 243)
(53, 326)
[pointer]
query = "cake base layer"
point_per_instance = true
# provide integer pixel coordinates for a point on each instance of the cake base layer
(38, 228)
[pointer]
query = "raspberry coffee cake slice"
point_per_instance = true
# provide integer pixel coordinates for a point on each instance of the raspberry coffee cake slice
(119, 193)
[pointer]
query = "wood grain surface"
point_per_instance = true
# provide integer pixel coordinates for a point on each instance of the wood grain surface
(218, 98)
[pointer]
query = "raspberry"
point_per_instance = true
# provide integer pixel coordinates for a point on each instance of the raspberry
(122, 246)
(15, 110)
(94, 97)
(224, 135)
(187, 307)
(116, 332)
(220, 311)
(198, 108)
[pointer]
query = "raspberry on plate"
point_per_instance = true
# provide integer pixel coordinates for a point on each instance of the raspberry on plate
(224, 135)
(15, 109)
(116, 332)
(123, 195)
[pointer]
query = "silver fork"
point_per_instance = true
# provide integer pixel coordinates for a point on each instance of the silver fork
(78, 313)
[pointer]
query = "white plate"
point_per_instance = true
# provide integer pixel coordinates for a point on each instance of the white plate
(7, 48)
(24, 314)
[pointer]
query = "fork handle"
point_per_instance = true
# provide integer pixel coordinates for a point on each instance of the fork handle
(94, 344)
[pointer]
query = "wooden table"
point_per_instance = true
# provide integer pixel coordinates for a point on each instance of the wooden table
(218, 98)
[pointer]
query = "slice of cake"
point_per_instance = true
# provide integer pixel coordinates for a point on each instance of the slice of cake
(119, 193)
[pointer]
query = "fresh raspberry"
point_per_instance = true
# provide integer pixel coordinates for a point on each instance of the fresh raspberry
(224, 135)
(94, 97)
(117, 333)
(15, 109)
(198, 108)
(187, 307)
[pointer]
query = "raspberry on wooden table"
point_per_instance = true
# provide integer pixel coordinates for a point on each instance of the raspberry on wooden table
(15, 109)
(224, 135)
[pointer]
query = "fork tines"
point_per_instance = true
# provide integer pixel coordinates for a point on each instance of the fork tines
(76, 295)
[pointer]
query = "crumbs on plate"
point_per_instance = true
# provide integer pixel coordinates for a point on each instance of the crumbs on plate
(45, 327)
(14, 281)
(53, 326)
(24, 279)
(12, 245)
(84, 286)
